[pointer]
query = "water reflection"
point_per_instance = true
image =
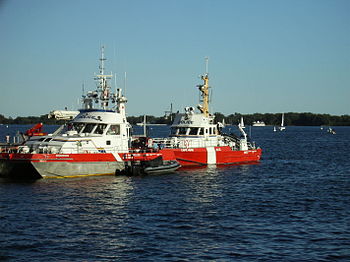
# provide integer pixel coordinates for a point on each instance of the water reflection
(207, 184)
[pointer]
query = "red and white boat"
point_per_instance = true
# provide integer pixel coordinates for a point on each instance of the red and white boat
(196, 140)
(95, 142)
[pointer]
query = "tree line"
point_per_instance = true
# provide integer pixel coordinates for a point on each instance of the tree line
(290, 119)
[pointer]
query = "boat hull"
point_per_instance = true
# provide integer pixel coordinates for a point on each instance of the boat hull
(213, 155)
(33, 166)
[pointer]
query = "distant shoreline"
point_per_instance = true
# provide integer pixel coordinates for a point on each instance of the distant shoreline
(270, 119)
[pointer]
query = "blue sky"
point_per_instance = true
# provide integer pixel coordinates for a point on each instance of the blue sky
(264, 56)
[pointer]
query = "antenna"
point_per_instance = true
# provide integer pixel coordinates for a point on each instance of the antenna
(211, 92)
(206, 65)
(124, 83)
(114, 57)
(115, 83)
(102, 59)
(171, 112)
(103, 88)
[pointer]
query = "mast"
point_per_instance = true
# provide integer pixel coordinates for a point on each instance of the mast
(104, 93)
(171, 112)
(144, 125)
(204, 107)
(103, 85)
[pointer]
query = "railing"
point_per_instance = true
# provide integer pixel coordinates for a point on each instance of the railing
(173, 142)
(59, 150)
(224, 140)
(188, 143)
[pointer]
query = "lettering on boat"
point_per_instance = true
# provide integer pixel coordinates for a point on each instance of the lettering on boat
(62, 155)
(186, 122)
(89, 116)
(187, 150)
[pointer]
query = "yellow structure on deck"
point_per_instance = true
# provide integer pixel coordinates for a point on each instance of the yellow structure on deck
(204, 107)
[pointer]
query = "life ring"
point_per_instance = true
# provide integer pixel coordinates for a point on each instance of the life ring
(187, 143)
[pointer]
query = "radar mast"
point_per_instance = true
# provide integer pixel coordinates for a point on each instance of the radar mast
(204, 89)
(103, 88)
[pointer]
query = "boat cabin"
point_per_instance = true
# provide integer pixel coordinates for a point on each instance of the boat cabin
(92, 131)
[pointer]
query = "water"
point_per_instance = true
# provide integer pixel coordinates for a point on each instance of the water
(293, 206)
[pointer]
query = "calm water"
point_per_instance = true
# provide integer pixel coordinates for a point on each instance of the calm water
(293, 206)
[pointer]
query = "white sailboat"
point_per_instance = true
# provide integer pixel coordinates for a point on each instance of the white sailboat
(242, 123)
(282, 127)
(222, 124)
(331, 131)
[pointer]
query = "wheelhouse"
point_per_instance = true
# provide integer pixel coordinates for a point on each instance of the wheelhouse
(90, 129)
(193, 131)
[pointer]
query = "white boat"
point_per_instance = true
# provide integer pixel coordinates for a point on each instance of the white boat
(242, 123)
(282, 127)
(331, 131)
(258, 123)
(196, 140)
(95, 142)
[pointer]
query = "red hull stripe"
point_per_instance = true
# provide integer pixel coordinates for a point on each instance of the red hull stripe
(224, 155)
(98, 157)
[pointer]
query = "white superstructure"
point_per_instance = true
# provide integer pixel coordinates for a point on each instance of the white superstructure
(92, 130)
(92, 143)
(196, 139)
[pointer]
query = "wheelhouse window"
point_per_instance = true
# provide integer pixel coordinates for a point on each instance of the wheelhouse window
(173, 131)
(70, 127)
(193, 131)
(78, 126)
(63, 129)
(100, 129)
(88, 128)
(201, 131)
(182, 130)
(114, 130)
